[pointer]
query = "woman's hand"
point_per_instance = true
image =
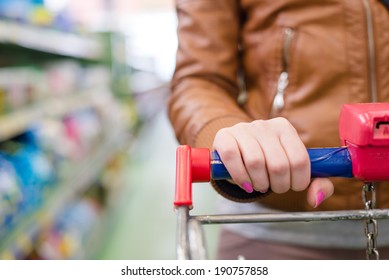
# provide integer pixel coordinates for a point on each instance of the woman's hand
(267, 154)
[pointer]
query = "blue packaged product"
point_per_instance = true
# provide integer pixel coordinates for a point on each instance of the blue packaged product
(33, 169)
(10, 195)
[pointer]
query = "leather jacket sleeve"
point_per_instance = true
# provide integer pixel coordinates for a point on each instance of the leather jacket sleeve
(204, 85)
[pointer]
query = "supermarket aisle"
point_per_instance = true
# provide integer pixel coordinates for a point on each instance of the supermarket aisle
(62, 96)
(145, 223)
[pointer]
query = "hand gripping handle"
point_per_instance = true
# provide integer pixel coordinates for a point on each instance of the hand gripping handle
(325, 162)
(199, 165)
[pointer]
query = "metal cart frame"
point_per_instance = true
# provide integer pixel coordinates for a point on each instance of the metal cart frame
(190, 233)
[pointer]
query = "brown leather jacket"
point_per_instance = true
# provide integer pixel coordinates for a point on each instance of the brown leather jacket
(241, 60)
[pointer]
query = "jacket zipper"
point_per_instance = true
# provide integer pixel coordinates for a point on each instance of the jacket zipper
(372, 54)
(283, 79)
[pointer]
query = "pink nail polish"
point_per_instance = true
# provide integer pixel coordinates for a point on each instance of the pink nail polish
(248, 187)
(320, 196)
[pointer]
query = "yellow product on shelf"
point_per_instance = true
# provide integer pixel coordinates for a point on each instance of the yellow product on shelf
(3, 107)
(41, 16)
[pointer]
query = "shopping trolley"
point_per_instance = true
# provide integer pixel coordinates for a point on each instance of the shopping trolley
(364, 154)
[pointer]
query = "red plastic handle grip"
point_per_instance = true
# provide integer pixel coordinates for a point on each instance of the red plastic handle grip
(192, 165)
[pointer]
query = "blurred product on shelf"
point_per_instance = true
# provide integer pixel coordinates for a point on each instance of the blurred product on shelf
(71, 138)
(39, 156)
(83, 128)
(68, 233)
(35, 172)
(10, 193)
(77, 231)
(25, 85)
(44, 157)
(63, 77)
(64, 118)
(53, 14)
(20, 86)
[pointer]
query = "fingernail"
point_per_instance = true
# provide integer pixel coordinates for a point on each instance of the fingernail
(248, 187)
(264, 191)
(320, 196)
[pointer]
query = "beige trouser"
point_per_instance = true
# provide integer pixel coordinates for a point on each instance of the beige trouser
(233, 246)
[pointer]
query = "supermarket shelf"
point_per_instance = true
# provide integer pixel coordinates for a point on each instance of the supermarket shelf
(15, 123)
(19, 241)
(51, 41)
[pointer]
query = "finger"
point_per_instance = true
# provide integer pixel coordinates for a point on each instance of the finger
(253, 159)
(277, 162)
(297, 154)
(226, 146)
(319, 190)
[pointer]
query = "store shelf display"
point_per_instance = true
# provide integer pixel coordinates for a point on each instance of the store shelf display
(61, 124)
(37, 38)
(38, 25)
(57, 167)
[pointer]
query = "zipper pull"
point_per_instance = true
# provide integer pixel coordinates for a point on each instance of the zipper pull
(278, 103)
(283, 80)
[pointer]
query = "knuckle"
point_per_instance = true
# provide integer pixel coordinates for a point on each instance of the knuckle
(258, 125)
(226, 152)
(253, 163)
(284, 124)
(221, 133)
(239, 125)
(281, 121)
(280, 169)
(299, 163)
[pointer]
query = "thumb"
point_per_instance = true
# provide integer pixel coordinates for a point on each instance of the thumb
(319, 190)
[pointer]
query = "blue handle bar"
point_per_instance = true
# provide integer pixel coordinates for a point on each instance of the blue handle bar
(325, 162)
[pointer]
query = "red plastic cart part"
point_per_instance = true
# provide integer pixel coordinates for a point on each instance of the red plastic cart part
(364, 129)
(192, 165)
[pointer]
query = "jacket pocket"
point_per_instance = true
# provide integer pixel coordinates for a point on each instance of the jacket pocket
(278, 103)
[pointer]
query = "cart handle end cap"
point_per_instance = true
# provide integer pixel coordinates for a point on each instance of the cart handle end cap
(192, 165)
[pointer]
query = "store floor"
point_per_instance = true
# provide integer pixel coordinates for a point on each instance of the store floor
(145, 220)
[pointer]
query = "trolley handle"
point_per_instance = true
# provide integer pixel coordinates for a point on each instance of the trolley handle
(325, 162)
(201, 165)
